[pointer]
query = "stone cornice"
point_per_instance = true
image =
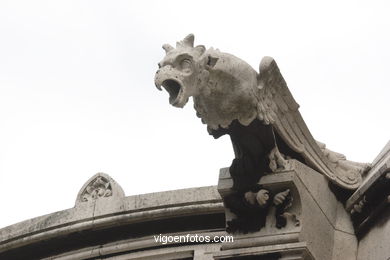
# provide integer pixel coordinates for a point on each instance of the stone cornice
(111, 211)
(373, 197)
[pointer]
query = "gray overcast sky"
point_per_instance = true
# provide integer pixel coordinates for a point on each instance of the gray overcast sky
(77, 94)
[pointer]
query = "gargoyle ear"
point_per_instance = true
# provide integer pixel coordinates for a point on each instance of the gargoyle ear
(188, 41)
(200, 49)
(211, 61)
(167, 48)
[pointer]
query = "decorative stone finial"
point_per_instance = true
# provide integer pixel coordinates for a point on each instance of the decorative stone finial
(100, 186)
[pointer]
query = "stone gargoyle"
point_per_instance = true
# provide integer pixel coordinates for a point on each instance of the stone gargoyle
(257, 110)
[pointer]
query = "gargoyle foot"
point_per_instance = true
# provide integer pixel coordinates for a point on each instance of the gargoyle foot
(277, 161)
(250, 209)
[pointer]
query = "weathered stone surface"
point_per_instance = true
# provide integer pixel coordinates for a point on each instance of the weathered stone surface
(345, 246)
(369, 209)
(290, 251)
(316, 218)
(108, 212)
(375, 244)
(371, 200)
(317, 225)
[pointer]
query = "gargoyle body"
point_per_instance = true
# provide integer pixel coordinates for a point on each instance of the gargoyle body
(257, 110)
(262, 119)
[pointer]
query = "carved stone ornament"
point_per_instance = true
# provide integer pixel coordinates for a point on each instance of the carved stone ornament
(251, 209)
(99, 186)
(257, 110)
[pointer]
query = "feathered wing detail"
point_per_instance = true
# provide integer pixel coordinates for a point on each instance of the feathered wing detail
(340, 163)
(278, 107)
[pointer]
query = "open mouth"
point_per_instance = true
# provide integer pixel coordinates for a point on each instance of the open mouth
(173, 88)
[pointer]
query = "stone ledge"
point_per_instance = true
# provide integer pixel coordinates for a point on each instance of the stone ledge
(294, 251)
(379, 165)
(373, 197)
(131, 246)
(101, 213)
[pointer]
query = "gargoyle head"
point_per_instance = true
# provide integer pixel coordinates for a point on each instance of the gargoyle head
(182, 72)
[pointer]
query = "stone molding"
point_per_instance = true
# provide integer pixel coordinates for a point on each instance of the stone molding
(110, 211)
(373, 197)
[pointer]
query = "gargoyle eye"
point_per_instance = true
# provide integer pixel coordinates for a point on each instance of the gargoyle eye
(185, 64)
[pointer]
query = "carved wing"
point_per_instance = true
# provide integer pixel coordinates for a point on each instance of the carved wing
(278, 107)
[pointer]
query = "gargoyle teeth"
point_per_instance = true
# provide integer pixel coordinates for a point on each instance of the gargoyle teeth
(173, 88)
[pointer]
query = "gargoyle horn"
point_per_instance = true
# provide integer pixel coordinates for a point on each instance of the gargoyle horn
(188, 41)
(167, 48)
